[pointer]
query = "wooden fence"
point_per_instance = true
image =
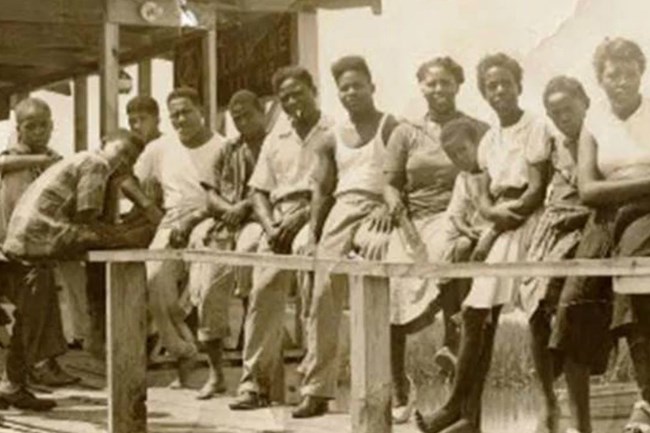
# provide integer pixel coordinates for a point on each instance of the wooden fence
(369, 312)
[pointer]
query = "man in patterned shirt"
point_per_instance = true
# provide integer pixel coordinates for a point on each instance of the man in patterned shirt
(229, 227)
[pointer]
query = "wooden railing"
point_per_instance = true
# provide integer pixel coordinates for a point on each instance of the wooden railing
(369, 324)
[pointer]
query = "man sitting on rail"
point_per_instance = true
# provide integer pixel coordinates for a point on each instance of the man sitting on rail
(349, 169)
(281, 200)
(57, 217)
(230, 227)
(179, 164)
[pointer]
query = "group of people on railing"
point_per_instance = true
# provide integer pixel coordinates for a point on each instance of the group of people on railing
(445, 187)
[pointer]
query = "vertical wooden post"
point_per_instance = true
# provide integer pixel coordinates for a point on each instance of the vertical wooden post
(209, 76)
(80, 113)
(307, 43)
(126, 337)
(370, 355)
(109, 74)
(144, 78)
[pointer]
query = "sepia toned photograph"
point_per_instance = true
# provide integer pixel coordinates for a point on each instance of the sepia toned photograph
(324, 216)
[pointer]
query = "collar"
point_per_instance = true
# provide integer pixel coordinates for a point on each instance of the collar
(323, 124)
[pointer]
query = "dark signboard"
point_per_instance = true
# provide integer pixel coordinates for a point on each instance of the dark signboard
(249, 51)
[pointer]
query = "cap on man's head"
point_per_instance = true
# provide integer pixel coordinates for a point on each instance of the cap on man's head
(143, 104)
(30, 105)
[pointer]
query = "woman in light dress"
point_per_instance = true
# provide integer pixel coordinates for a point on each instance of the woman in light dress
(512, 156)
(614, 175)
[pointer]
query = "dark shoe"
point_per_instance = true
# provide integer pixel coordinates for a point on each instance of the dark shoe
(446, 360)
(51, 374)
(185, 367)
(76, 344)
(210, 389)
(248, 401)
(23, 399)
(461, 426)
(310, 406)
(437, 422)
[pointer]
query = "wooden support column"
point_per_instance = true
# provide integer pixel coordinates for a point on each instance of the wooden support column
(307, 43)
(144, 78)
(109, 74)
(209, 75)
(80, 113)
(126, 329)
(370, 399)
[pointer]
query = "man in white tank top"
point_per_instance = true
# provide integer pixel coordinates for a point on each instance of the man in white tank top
(179, 165)
(349, 171)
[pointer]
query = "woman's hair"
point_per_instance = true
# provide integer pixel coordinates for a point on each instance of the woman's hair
(617, 49)
(500, 60)
(187, 93)
(350, 63)
(568, 85)
(296, 72)
(447, 63)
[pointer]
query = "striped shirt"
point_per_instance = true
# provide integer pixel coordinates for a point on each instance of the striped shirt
(43, 222)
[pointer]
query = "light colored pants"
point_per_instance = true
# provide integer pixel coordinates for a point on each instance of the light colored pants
(321, 362)
(210, 285)
(264, 324)
(165, 284)
(72, 278)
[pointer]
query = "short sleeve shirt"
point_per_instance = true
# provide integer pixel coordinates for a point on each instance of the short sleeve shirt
(179, 170)
(286, 161)
(414, 148)
(504, 153)
(42, 224)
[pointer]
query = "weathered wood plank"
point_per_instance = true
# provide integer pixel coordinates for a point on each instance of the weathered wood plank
(80, 113)
(370, 398)
(144, 77)
(110, 65)
(614, 266)
(126, 337)
(209, 76)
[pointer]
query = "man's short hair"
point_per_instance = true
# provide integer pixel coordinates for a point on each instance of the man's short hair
(498, 60)
(29, 104)
(617, 49)
(187, 93)
(446, 63)
(569, 85)
(123, 135)
(296, 72)
(246, 97)
(350, 63)
(143, 104)
(462, 126)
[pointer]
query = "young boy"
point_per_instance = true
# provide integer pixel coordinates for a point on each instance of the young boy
(470, 236)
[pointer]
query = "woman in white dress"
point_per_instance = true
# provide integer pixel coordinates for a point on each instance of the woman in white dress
(512, 191)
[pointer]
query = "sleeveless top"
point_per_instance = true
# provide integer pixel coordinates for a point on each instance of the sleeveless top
(360, 168)
(623, 150)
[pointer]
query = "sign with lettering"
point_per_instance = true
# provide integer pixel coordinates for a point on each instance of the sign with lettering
(249, 51)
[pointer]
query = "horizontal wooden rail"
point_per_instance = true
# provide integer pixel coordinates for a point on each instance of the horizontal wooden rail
(631, 266)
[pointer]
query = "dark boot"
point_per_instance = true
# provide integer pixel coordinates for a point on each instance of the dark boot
(310, 407)
(471, 344)
(639, 346)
